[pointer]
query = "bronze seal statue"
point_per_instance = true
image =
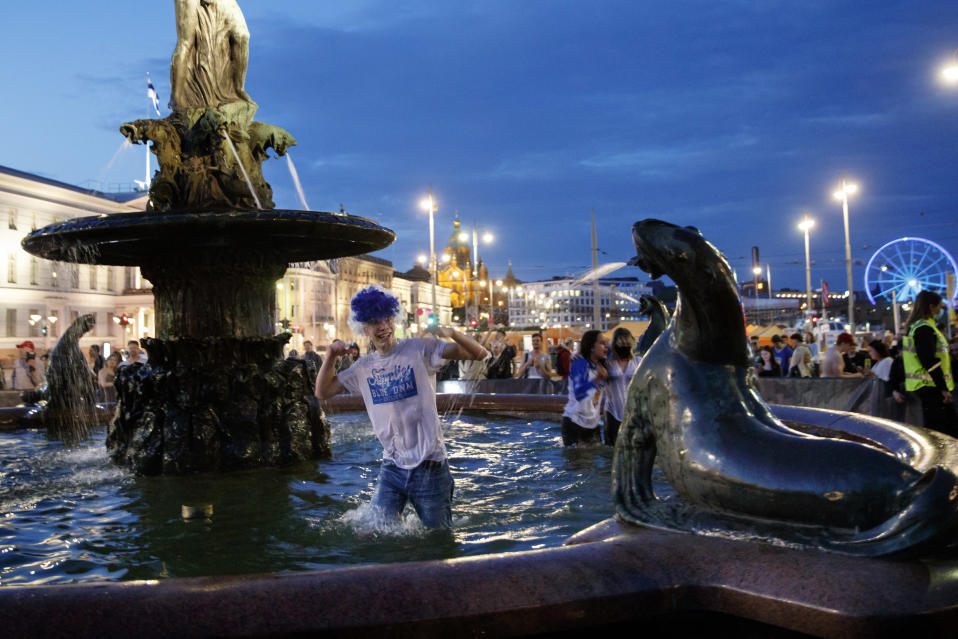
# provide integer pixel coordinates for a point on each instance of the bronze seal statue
(734, 467)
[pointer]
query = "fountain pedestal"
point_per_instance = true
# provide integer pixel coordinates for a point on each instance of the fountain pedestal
(216, 393)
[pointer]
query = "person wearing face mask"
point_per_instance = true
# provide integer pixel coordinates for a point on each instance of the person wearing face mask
(928, 366)
(621, 364)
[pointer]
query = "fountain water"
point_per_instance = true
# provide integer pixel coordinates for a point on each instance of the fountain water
(216, 395)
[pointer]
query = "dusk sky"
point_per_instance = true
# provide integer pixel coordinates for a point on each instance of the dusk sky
(730, 115)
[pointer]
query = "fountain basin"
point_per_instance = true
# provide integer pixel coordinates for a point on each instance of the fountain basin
(132, 239)
(609, 576)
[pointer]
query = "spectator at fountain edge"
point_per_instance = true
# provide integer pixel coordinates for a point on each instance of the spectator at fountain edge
(503, 366)
(536, 363)
(879, 361)
(136, 354)
(310, 356)
(753, 343)
(621, 365)
(397, 382)
(891, 343)
(928, 364)
(350, 356)
(769, 366)
(26, 373)
(475, 370)
(96, 359)
(834, 363)
(106, 391)
(587, 375)
(293, 354)
(801, 361)
(782, 352)
(564, 357)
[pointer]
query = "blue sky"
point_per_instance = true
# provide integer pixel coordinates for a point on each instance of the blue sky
(524, 115)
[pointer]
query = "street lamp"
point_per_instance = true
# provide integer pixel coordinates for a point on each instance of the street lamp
(805, 225)
(950, 73)
(842, 195)
(487, 238)
(429, 203)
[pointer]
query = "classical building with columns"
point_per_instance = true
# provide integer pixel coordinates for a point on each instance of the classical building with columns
(40, 298)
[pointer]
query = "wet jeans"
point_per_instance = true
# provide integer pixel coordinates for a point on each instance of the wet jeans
(428, 487)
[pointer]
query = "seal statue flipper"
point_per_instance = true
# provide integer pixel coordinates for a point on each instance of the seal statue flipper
(724, 453)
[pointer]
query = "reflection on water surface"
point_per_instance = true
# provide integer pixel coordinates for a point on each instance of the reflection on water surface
(70, 515)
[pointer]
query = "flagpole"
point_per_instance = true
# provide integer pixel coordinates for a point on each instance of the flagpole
(154, 102)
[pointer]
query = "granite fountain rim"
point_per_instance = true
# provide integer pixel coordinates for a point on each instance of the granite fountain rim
(128, 239)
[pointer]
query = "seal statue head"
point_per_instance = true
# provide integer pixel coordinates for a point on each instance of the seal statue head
(709, 325)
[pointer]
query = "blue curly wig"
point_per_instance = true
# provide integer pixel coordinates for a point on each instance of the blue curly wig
(373, 303)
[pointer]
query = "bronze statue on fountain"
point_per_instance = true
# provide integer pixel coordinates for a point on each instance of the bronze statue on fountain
(216, 393)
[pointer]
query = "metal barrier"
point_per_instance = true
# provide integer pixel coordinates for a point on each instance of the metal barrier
(855, 395)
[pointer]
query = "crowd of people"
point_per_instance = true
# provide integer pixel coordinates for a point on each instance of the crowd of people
(921, 362)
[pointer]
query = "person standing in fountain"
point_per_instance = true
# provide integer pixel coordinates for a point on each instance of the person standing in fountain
(397, 382)
(587, 375)
(621, 365)
(928, 366)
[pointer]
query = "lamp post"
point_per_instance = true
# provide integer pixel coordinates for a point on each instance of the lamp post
(487, 237)
(429, 203)
(805, 225)
(950, 73)
(843, 196)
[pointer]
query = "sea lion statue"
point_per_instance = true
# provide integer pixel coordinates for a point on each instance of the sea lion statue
(658, 319)
(734, 466)
(70, 409)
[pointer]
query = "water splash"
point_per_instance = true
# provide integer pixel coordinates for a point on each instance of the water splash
(249, 182)
(116, 154)
(296, 182)
(600, 271)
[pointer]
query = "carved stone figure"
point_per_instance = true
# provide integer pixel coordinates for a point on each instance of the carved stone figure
(731, 462)
(208, 68)
(209, 149)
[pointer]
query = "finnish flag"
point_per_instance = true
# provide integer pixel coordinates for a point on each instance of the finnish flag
(151, 94)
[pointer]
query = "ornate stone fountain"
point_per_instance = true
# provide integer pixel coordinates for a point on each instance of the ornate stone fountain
(216, 394)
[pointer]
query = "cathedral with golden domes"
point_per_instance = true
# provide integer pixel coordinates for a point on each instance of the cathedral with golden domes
(455, 272)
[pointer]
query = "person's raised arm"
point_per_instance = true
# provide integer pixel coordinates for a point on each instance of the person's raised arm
(327, 384)
(463, 346)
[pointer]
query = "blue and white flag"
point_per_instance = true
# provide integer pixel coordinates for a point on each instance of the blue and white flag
(151, 94)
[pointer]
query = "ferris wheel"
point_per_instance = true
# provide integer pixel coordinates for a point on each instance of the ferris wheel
(906, 266)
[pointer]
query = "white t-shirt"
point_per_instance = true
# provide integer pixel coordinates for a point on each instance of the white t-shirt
(399, 390)
(532, 372)
(882, 369)
(617, 384)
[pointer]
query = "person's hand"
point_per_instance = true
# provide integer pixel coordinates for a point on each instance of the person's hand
(946, 397)
(440, 331)
(898, 397)
(336, 349)
(601, 373)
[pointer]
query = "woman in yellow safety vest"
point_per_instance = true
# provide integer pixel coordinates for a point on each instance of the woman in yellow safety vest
(927, 365)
